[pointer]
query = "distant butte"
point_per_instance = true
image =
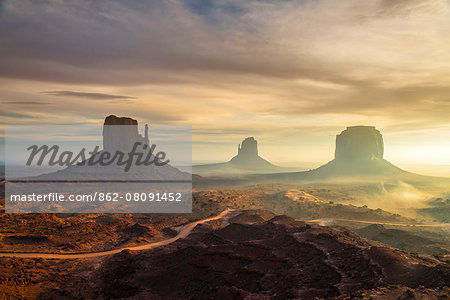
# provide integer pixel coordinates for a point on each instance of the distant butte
(114, 120)
(358, 154)
(359, 151)
(248, 157)
(118, 137)
(119, 134)
(247, 160)
(248, 149)
(359, 143)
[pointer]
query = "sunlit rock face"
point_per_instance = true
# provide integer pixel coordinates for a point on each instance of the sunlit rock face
(121, 137)
(359, 143)
(114, 120)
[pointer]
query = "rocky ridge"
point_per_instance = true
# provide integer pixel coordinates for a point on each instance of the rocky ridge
(258, 256)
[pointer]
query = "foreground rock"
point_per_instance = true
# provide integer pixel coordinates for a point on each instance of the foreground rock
(276, 258)
(401, 239)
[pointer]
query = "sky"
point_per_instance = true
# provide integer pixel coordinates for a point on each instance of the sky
(293, 74)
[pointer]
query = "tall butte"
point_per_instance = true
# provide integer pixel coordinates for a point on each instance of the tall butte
(120, 133)
(248, 157)
(359, 151)
(359, 143)
(248, 150)
(247, 160)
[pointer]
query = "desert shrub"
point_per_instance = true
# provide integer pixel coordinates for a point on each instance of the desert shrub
(410, 293)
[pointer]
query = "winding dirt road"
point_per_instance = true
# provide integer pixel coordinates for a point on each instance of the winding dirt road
(184, 232)
(375, 222)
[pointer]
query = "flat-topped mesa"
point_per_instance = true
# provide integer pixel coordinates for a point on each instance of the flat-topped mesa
(121, 133)
(359, 143)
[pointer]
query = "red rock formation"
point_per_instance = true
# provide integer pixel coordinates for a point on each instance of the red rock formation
(279, 258)
(359, 142)
(248, 158)
(249, 147)
(120, 133)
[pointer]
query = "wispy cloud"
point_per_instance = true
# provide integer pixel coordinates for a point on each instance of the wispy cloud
(27, 103)
(93, 96)
(15, 115)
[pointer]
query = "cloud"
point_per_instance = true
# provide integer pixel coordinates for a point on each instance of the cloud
(28, 103)
(194, 41)
(388, 8)
(15, 115)
(93, 96)
(95, 42)
(233, 66)
(214, 9)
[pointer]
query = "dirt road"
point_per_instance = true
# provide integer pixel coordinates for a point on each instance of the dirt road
(184, 232)
(375, 222)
